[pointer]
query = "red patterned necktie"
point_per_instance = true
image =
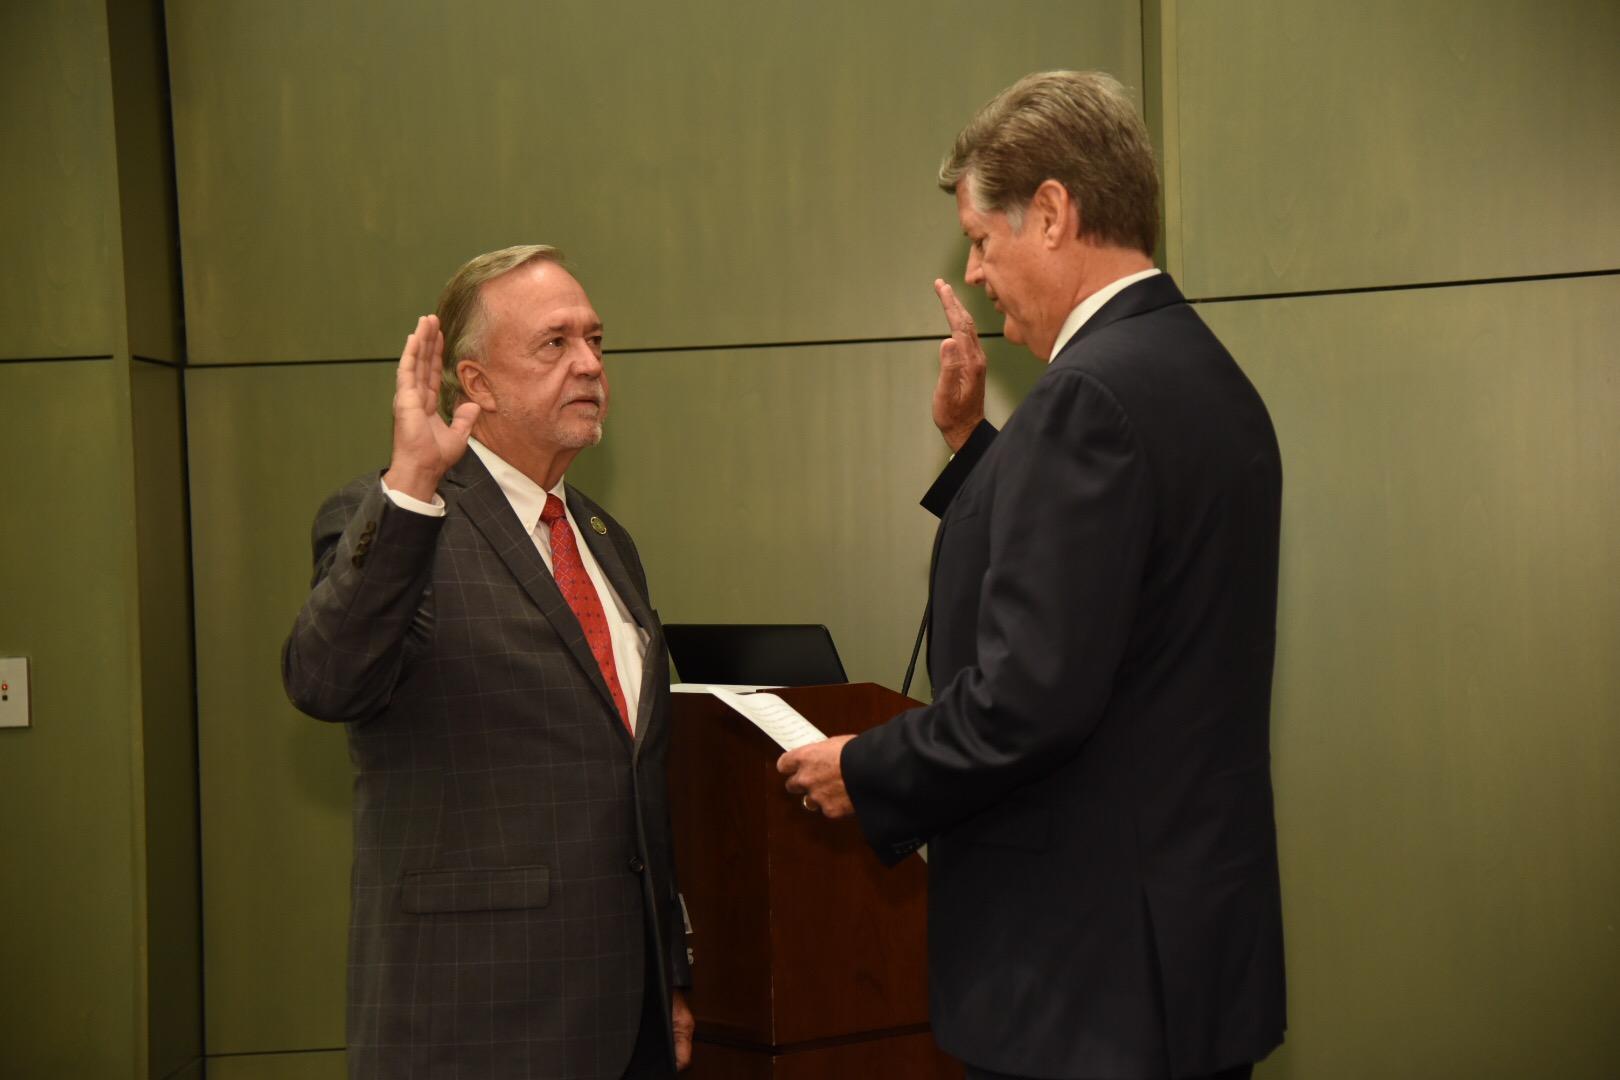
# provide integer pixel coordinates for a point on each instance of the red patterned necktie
(577, 589)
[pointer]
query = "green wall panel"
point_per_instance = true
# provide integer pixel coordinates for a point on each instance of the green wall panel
(315, 1065)
(68, 935)
(1446, 694)
(148, 217)
(1325, 145)
(168, 721)
(58, 209)
(266, 446)
(726, 172)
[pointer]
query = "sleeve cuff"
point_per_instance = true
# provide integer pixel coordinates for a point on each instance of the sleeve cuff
(938, 497)
(415, 505)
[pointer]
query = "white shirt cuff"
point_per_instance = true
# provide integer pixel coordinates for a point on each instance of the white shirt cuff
(417, 506)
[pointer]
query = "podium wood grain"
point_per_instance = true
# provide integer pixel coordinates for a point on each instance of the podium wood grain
(809, 957)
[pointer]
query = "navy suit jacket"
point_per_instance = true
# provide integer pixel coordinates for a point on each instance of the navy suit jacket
(1093, 775)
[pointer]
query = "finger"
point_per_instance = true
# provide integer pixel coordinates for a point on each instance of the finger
(410, 355)
(465, 416)
(425, 327)
(787, 763)
(405, 375)
(683, 1051)
(955, 314)
(950, 355)
(433, 356)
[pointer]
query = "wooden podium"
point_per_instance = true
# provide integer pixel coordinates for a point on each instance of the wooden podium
(809, 957)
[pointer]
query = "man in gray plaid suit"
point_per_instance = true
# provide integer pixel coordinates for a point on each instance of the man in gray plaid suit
(484, 629)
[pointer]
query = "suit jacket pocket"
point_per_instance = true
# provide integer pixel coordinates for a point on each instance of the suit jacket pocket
(508, 888)
(1013, 824)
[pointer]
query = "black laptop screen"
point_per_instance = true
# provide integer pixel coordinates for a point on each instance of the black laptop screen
(754, 654)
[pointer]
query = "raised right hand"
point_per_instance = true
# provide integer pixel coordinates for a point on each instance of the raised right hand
(959, 393)
(424, 445)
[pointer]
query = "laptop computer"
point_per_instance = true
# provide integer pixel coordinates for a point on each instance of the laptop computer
(754, 654)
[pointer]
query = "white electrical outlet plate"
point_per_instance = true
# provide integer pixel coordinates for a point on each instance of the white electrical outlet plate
(14, 691)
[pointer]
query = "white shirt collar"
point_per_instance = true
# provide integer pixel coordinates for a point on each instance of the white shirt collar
(527, 497)
(1091, 304)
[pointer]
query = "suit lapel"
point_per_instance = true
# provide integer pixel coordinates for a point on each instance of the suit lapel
(485, 505)
(605, 546)
(606, 550)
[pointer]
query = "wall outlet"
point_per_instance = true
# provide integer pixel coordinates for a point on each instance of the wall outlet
(14, 691)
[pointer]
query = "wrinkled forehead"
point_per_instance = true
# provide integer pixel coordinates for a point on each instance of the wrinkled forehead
(537, 296)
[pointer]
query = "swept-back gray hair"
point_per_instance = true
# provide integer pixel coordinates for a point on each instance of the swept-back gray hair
(462, 315)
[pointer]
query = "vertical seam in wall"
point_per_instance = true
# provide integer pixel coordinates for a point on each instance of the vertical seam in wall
(196, 707)
(129, 553)
(1147, 12)
(181, 346)
(196, 718)
(1175, 261)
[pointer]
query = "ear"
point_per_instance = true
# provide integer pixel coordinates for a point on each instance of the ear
(1056, 212)
(475, 385)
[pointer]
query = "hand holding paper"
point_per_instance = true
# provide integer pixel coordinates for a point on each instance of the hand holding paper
(817, 773)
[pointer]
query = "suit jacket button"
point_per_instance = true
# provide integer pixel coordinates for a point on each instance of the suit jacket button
(636, 865)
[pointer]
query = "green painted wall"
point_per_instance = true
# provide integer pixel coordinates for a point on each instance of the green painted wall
(57, 286)
(267, 445)
(168, 722)
(318, 1065)
(1445, 711)
(725, 171)
(1324, 145)
(99, 932)
(69, 928)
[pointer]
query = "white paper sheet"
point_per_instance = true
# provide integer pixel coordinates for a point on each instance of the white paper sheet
(774, 717)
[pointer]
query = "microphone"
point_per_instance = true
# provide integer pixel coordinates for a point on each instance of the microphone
(917, 648)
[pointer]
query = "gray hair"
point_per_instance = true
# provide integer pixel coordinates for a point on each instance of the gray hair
(1076, 127)
(462, 315)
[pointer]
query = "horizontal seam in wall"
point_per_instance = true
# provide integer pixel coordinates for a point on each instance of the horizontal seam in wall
(48, 359)
(908, 339)
(1409, 287)
(639, 351)
(187, 1067)
(273, 1053)
(175, 364)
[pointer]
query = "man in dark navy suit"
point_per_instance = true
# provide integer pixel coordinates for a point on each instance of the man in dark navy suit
(1093, 775)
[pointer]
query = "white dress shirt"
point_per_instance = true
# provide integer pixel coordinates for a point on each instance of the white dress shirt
(527, 499)
(1091, 304)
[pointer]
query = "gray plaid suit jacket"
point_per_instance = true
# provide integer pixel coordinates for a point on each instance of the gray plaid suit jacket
(512, 857)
